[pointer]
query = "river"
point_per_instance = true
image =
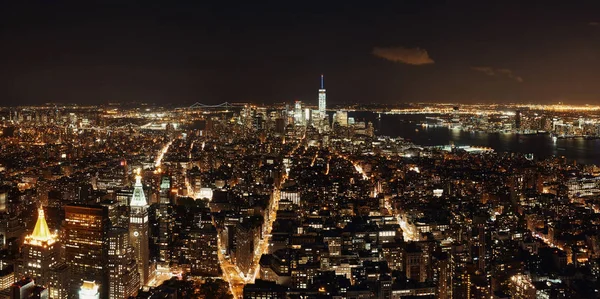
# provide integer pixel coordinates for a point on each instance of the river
(541, 145)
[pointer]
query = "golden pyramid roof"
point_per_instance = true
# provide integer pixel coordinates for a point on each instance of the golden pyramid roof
(41, 232)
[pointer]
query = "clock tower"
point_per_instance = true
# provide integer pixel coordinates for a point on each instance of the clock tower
(138, 229)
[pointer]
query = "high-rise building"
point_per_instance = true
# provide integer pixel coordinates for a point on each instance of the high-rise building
(138, 229)
(203, 248)
(40, 253)
(123, 276)
(322, 100)
(58, 287)
(86, 249)
(298, 116)
(165, 222)
(341, 118)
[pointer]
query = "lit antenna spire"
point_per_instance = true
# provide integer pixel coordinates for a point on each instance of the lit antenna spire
(322, 85)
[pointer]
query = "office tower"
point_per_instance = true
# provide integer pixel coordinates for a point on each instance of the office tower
(322, 100)
(86, 249)
(414, 263)
(518, 119)
(298, 116)
(165, 222)
(306, 118)
(279, 125)
(138, 229)
(58, 287)
(443, 275)
(203, 248)
(123, 276)
(341, 117)
(39, 252)
(89, 290)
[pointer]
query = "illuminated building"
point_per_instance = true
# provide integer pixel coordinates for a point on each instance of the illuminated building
(264, 290)
(7, 276)
(322, 101)
(89, 290)
(415, 264)
(341, 118)
(247, 233)
(165, 221)
(58, 287)
(298, 116)
(86, 249)
(443, 276)
(202, 256)
(521, 287)
(138, 229)
(123, 276)
(393, 253)
(40, 253)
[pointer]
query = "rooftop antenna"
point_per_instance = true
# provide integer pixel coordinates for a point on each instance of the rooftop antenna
(322, 86)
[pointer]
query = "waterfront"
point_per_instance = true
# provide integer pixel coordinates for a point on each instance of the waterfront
(541, 145)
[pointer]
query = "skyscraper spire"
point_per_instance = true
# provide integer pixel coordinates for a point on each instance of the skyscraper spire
(138, 199)
(322, 103)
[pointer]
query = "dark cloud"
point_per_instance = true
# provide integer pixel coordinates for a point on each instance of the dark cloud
(499, 72)
(413, 56)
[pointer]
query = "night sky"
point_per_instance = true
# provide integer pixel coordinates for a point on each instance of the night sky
(370, 51)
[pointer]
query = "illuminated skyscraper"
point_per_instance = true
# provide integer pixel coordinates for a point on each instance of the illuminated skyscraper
(40, 253)
(123, 276)
(322, 100)
(165, 222)
(138, 229)
(298, 116)
(86, 250)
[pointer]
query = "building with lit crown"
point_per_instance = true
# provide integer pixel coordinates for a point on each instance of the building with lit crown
(138, 229)
(322, 100)
(39, 253)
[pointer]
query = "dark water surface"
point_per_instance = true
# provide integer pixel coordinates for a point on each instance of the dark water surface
(541, 145)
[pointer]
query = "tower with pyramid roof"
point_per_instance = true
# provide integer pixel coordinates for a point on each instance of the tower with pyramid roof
(138, 229)
(39, 253)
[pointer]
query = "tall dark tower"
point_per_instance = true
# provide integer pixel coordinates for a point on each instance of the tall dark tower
(138, 229)
(86, 249)
(165, 222)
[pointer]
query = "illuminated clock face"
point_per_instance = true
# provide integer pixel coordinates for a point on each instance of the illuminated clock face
(135, 234)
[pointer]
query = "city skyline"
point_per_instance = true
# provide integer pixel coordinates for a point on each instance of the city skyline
(409, 149)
